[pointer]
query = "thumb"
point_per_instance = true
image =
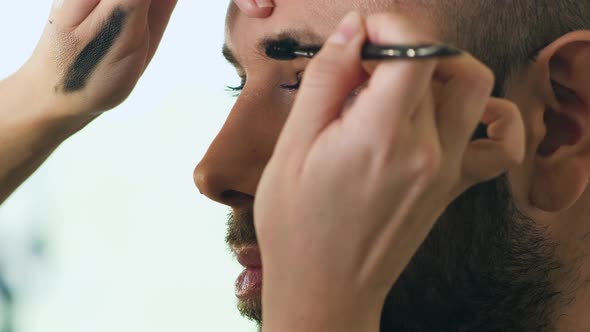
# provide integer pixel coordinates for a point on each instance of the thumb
(485, 159)
(329, 79)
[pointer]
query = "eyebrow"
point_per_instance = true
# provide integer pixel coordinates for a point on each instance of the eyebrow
(303, 37)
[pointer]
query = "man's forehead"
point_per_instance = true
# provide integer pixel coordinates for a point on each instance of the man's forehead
(306, 9)
(332, 10)
(318, 16)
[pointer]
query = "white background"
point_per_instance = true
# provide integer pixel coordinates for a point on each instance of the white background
(130, 244)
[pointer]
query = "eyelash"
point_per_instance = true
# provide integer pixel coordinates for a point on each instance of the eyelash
(234, 91)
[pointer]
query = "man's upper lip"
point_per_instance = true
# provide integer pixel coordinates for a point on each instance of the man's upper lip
(248, 257)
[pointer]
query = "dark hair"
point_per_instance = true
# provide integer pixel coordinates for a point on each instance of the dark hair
(507, 34)
(486, 266)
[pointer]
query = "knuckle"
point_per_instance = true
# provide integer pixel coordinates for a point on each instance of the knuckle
(474, 76)
(506, 108)
(426, 161)
(482, 79)
(487, 77)
(511, 108)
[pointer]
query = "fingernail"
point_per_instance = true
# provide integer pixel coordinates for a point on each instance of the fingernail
(58, 3)
(264, 3)
(348, 28)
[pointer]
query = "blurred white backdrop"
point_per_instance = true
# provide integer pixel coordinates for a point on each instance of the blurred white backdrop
(111, 233)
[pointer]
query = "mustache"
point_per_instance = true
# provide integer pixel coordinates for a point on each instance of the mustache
(240, 228)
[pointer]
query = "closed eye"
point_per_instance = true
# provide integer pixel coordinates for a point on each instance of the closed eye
(235, 90)
(296, 86)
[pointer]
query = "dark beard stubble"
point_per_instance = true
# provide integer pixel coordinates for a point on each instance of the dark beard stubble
(241, 232)
(483, 267)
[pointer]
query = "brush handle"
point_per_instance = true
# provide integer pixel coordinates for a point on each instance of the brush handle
(393, 52)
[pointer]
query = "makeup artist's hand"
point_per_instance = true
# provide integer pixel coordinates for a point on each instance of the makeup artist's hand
(355, 184)
(256, 8)
(93, 52)
(91, 55)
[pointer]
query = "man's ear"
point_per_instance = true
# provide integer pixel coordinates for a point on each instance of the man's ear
(560, 168)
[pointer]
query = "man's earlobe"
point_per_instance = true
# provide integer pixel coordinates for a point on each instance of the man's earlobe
(561, 169)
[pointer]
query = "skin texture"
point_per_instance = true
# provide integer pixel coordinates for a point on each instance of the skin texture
(91, 56)
(544, 200)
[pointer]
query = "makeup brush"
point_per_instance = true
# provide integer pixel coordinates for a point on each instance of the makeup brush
(291, 50)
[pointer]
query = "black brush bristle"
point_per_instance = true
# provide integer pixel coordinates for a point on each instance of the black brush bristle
(282, 50)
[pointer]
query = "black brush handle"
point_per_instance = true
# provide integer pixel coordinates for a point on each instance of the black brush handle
(410, 52)
(393, 52)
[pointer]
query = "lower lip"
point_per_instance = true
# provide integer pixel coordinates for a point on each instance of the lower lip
(249, 283)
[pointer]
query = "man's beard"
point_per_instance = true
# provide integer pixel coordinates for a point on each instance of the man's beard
(241, 233)
(483, 267)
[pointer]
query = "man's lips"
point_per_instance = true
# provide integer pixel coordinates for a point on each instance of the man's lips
(248, 257)
(249, 282)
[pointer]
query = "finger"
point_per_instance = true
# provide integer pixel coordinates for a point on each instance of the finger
(464, 87)
(159, 17)
(485, 159)
(396, 87)
(256, 8)
(84, 47)
(329, 79)
(68, 14)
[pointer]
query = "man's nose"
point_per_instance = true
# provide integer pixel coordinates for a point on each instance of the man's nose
(230, 170)
(227, 174)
